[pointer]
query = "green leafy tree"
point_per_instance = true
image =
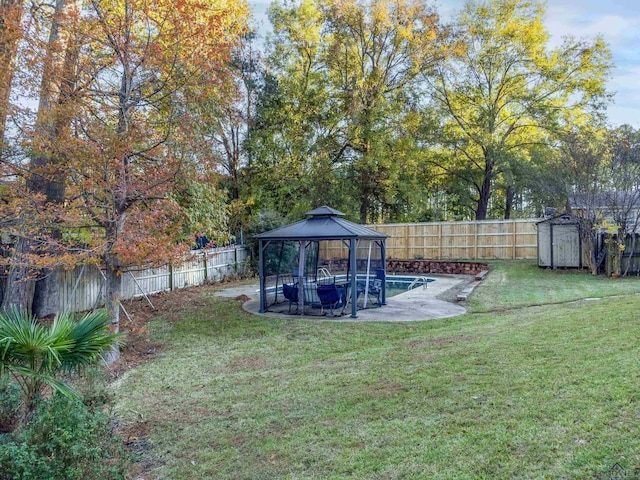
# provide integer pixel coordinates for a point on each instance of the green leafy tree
(336, 119)
(503, 90)
(204, 206)
(375, 53)
(290, 127)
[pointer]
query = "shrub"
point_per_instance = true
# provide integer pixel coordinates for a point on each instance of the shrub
(10, 402)
(92, 387)
(38, 355)
(65, 441)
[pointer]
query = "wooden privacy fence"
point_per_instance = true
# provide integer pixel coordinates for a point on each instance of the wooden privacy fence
(483, 240)
(82, 288)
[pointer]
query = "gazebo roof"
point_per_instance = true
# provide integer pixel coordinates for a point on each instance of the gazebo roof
(324, 224)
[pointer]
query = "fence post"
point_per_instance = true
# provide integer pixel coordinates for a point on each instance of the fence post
(170, 277)
(475, 241)
(440, 241)
(407, 240)
(515, 238)
(235, 259)
(206, 268)
(425, 250)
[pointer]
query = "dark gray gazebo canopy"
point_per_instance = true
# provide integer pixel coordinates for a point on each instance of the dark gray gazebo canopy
(324, 223)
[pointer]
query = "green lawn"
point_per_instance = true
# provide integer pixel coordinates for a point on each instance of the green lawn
(509, 391)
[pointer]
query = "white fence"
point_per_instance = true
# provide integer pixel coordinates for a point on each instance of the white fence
(82, 288)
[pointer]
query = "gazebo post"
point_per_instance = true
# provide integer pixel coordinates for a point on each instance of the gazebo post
(261, 247)
(384, 269)
(301, 276)
(354, 280)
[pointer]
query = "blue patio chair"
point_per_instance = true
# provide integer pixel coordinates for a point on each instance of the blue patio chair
(332, 297)
(375, 288)
(374, 291)
(290, 292)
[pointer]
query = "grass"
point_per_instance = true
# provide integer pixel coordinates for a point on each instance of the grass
(507, 391)
(520, 284)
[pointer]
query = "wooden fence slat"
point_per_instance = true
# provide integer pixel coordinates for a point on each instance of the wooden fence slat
(489, 239)
(90, 289)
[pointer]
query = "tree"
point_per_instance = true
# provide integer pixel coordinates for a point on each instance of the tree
(227, 120)
(581, 168)
(289, 125)
(337, 117)
(132, 134)
(45, 180)
(225, 125)
(598, 171)
(11, 12)
(38, 355)
(127, 139)
(375, 54)
(503, 91)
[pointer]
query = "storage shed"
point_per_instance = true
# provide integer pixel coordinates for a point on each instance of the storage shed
(559, 242)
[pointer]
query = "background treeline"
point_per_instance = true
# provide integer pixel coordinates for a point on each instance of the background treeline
(388, 114)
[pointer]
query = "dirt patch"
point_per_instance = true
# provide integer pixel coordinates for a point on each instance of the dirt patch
(386, 390)
(138, 347)
(248, 363)
(423, 357)
(440, 341)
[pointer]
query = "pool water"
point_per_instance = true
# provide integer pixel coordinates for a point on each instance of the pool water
(395, 285)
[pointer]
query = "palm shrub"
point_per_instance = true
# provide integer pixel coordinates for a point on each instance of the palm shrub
(37, 355)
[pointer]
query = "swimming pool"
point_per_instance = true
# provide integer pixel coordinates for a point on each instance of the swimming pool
(397, 284)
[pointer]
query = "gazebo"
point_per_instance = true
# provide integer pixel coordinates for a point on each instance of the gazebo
(295, 248)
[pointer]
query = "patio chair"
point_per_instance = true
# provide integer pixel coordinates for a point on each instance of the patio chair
(332, 297)
(374, 291)
(290, 292)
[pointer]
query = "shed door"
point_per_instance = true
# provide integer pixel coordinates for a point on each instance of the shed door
(544, 245)
(566, 246)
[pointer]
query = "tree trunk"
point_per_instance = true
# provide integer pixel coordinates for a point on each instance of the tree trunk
(20, 283)
(364, 207)
(63, 78)
(113, 293)
(46, 177)
(508, 202)
(483, 199)
(11, 12)
(46, 300)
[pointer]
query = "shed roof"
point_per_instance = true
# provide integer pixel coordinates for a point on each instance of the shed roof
(324, 224)
(563, 218)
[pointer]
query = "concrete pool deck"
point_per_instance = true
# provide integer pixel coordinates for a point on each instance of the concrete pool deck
(416, 305)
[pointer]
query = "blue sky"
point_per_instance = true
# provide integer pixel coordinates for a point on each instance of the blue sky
(618, 21)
